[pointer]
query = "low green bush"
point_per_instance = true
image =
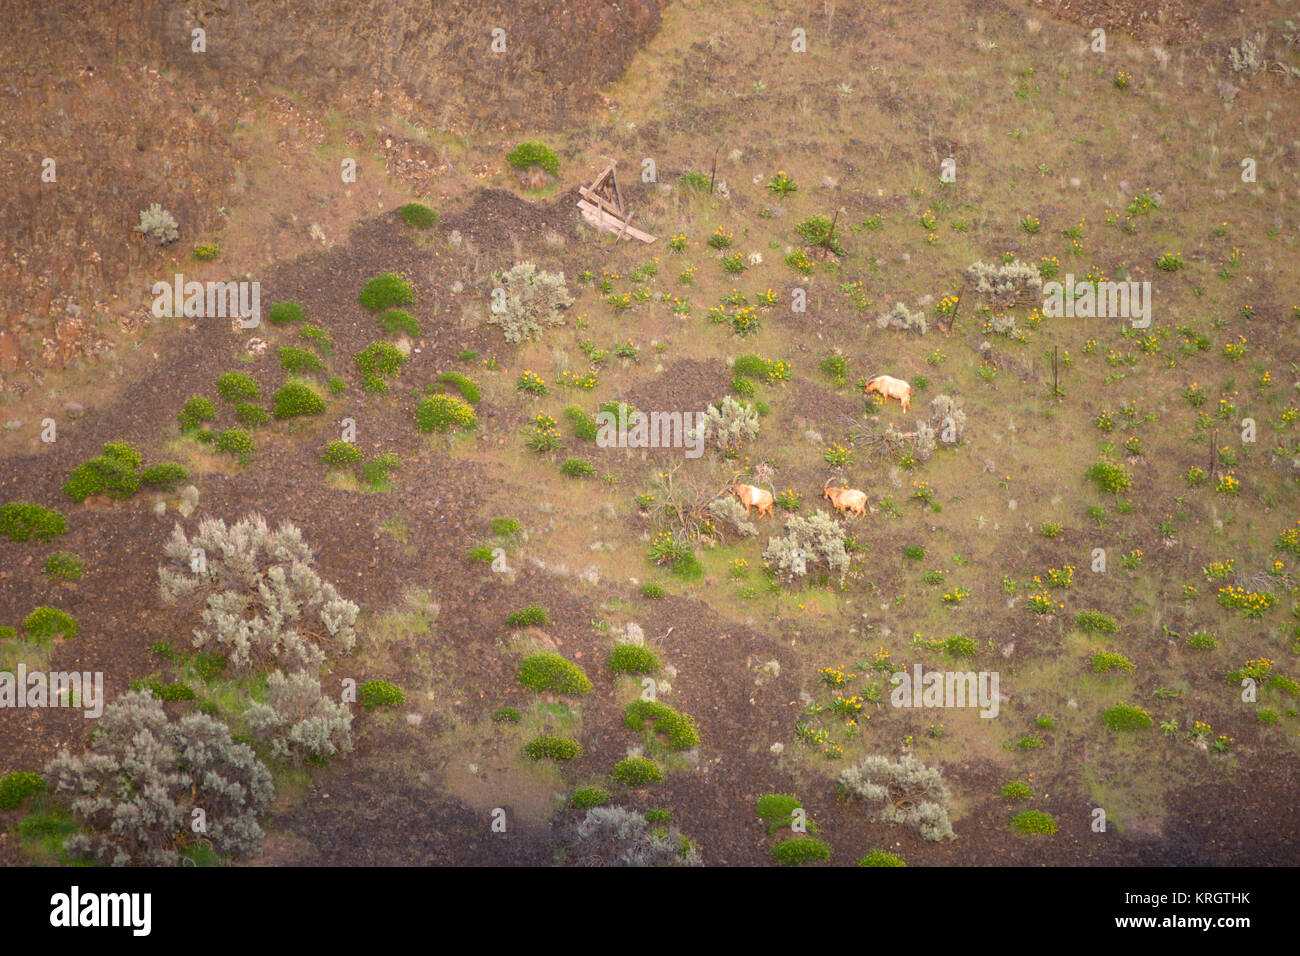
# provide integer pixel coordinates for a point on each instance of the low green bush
(584, 798)
(294, 359)
(466, 386)
(385, 291)
(578, 468)
(550, 672)
(167, 475)
(45, 622)
(881, 858)
(249, 414)
(633, 659)
(637, 771)
(196, 409)
(17, 787)
(234, 386)
(418, 216)
(1126, 717)
(237, 442)
(282, 313)
(530, 154)
(112, 473)
(399, 321)
(339, 453)
(678, 728)
(445, 413)
(23, 520)
(375, 472)
(800, 850)
(1034, 822)
(295, 399)
(534, 614)
(380, 693)
(62, 564)
(553, 748)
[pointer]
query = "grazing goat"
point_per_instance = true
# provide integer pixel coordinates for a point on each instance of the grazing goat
(891, 388)
(754, 497)
(846, 500)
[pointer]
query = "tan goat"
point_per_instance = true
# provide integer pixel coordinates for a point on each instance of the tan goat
(891, 387)
(846, 500)
(752, 497)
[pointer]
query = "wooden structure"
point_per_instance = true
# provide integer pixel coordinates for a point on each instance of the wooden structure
(602, 206)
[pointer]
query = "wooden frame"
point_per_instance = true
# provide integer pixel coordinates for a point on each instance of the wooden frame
(602, 206)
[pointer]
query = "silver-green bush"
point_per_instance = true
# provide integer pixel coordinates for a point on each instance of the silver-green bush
(902, 791)
(533, 300)
(297, 721)
(817, 537)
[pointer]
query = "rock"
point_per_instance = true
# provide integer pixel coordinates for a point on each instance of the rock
(1009, 648)
(829, 182)
(633, 634)
(777, 749)
(255, 346)
(74, 409)
(590, 575)
(189, 501)
(159, 508)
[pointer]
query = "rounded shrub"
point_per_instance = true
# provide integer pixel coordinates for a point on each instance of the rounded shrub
(551, 672)
(881, 858)
(1126, 717)
(652, 590)
(396, 321)
(249, 414)
(167, 474)
(237, 442)
(1034, 822)
(282, 313)
(62, 564)
(633, 659)
(22, 520)
(465, 385)
(578, 468)
(295, 399)
(108, 474)
(445, 413)
(195, 410)
(506, 715)
(418, 216)
(294, 359)
(376, 471)
(678, 728)
(532, 615)
(339, 453)
(637, 771)
(800, 850)
(17, 787)
(377, 361)
(379, 693)
(526, 155)
(553, 748)
(234, 386)
(584, 798)
(385, 291)
(45, 622)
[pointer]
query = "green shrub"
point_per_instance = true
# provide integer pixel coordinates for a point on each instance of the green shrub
(752, 366)
(800, 850)
(778, 807)
(249, 414)
(282, 313)
(1126, 717)
(170, 692)
(62, 564)
(1034, 822)
(418, 216)
(377, 361)
(551, 672)
(318, 337)
(529, 616)
(7, 633)
(584, 798)
(196, 409)
(385, 291)
(553, 748)
(124, 453)
(112, 474)
(22, 520)
(467, 386)
(379, 693)
(1015, 790)
(584, 426)
(881, 858)
(45, 622)
(652, 590)
(294, 359)
(337, 385)
(506, 715)
(1109, 476)
(339, 453)
(534, 154)
(443, 413)
(1094, 622)
(481, 553)
(396, 321)
(234, 386)
(237, 442)
(637, 771)
(295, 399)
(505, 527)
(209, 665)
(1104, 661)
(376, 471)
(678, 728)
(167, 474)
(17, 787)
(633, 659)
(578, 468)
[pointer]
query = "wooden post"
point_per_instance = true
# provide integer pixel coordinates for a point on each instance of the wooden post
(1056, 391)
(714, 172)
(1214, 449)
